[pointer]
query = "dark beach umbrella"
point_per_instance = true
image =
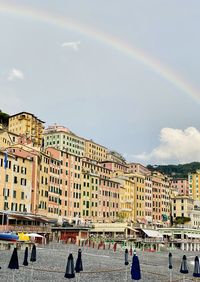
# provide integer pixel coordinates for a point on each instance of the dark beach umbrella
(135, 268)
(14, 263)
(131, 251)
(79, 264)
(69, 273)
(126, 257)
(33, 254)
(196, 272)
(25, 262)
(170, 261)
(184, 268)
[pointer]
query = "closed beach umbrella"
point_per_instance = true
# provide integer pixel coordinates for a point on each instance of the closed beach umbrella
(69, 273)
(79, 264)
(33, 254)
(25, 262)
(126, 257)
(131, 251)
(196, 272)
(14, 263)
(184, 268)
(115, 247)
(135, 268)
(170, 260)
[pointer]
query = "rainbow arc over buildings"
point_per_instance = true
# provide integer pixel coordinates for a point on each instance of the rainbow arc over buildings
(121, 46)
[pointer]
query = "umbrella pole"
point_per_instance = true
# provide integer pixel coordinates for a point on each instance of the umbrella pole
(13, 275)
(170, 275)
(126, 277)
(183, 278)
(32, 272)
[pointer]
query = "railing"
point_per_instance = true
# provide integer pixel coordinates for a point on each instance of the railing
(29, 228)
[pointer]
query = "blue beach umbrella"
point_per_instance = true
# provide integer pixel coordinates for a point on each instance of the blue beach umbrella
(33, 254)
(135, 268)
(69, 273)
(196, 272)
(79, 264)
(170, 261)
(126, 257)
(184, 268)
(14, 263)
(25, 262)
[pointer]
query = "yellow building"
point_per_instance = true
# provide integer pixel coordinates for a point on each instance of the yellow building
(29, 125)
(139, 196)
(7, 138)
(95, 151)
(194, 185)
(15, 183)
(126, 198)
(181, 206)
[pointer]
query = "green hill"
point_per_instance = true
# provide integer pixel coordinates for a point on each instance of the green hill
(4, 118)
(176, 171)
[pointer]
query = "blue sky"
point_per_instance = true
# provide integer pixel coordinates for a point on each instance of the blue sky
(68, 78)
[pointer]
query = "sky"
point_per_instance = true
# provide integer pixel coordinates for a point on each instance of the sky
(123, 73)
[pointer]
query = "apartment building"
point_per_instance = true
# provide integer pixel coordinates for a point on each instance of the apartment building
(27, 124)
(181, 185)
(181, 206)
(15, 182)
(194, 185)
(95, 151)
(160, 199)
(126, 198)
(138, 168)
(62, 138)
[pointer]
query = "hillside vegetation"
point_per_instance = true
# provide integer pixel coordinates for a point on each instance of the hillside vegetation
(4, 118)
(176, 171)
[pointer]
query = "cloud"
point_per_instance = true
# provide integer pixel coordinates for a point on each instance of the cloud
(176, 146)
(15, 74)
(73, 45)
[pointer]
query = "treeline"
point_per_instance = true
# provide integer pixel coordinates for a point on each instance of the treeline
(176, 171)
(4, 118)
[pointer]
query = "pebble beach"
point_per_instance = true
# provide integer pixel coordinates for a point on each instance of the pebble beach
(98, 265)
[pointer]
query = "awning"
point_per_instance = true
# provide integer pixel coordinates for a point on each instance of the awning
(34, 235)
(190, 235)
(152, 233)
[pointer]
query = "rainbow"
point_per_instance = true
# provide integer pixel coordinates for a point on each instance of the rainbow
(119, 45)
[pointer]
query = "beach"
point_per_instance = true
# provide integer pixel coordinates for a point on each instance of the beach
(98, 265)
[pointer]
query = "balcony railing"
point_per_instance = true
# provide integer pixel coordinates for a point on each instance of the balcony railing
(29, 228)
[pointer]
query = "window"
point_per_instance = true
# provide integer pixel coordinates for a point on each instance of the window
(22, 195)
(14, 194)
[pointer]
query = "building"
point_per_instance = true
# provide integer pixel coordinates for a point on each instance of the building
(100, 194)
(15, 182)
(138, 168)
(7, 138)
(95, 151)
(139, 196)
(181, 185)
(181, 207)
(115, 167)
(29, 125)
(194, 185)
(126, 198)
(160, 199)
(114, 156)
(63, 139)
(148, 199)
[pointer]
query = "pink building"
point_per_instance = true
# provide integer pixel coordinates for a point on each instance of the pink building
(181, 185)
(138, 168)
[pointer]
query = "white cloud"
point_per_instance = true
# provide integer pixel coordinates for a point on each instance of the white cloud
(176, 146)
(73, 45)
(15, 74)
